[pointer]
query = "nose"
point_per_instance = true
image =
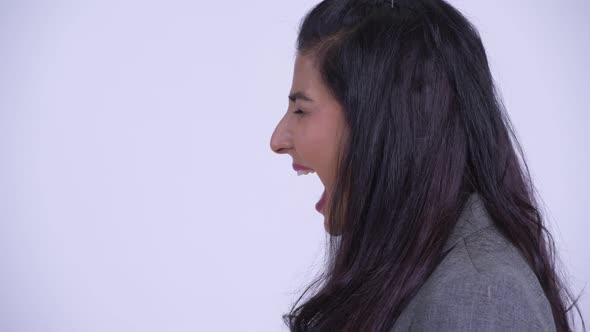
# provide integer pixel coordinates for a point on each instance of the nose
(279, 142)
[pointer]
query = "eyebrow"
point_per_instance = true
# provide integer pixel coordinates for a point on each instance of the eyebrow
(299, 95)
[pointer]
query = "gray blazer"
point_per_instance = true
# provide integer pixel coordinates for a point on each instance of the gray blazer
(483, 284)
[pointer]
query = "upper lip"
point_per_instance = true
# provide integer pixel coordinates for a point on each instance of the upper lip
(299, 167)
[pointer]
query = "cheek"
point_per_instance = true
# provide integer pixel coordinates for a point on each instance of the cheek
(320, 149)
(318, 142)
(314, 149)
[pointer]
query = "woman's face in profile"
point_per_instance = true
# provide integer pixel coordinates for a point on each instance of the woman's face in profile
(312, 128)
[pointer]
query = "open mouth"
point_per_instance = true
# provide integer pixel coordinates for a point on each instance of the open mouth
(302, 170)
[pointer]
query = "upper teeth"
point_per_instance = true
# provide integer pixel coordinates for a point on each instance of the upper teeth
(303, 172)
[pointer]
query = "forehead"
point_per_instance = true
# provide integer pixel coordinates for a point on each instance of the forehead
(306, 77)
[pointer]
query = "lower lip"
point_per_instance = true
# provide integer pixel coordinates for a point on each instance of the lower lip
(320, 204)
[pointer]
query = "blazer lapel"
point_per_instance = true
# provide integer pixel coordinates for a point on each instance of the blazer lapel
(473, 218)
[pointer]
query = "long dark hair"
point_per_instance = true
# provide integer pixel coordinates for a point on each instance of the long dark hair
(427, 129)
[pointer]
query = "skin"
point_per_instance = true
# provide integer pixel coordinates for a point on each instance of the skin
(311, 138)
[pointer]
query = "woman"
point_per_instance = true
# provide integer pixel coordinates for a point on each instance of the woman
(435, 222)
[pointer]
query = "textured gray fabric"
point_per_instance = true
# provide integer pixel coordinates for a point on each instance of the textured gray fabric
(483, 284)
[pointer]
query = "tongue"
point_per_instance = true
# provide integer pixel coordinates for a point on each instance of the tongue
(320, 204)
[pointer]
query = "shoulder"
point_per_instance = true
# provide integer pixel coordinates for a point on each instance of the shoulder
(483, 302)
(483, 284)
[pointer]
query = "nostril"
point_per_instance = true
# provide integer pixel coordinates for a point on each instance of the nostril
(274, 148)
(281, 150)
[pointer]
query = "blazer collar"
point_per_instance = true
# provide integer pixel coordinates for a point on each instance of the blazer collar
(473, 218)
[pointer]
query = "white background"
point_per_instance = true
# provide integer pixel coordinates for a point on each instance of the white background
(138, 191)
